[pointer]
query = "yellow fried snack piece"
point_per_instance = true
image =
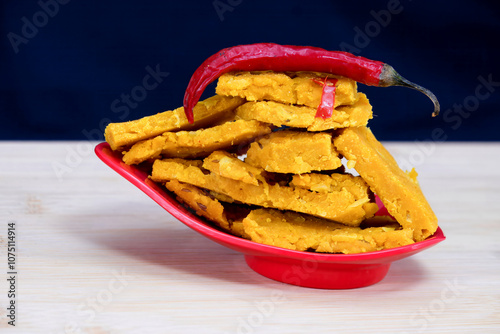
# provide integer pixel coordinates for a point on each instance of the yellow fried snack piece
(192, 144)
(228, 165)
(341, 206)
(298, 232)
(288, 88)
(205, 112)
(294, 116)
(205, 206)
(294, 152)
(199, 201)
(331, 183)
(345, 116)
(399, 192)
(334, 182)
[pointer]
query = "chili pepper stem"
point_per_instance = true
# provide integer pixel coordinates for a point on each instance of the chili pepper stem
(389, 77)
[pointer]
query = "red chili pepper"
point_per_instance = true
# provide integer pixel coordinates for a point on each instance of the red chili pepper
(280, 58)
(325, 108)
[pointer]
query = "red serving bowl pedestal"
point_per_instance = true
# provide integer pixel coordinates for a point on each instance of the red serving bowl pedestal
(307, 269)
(321, 275)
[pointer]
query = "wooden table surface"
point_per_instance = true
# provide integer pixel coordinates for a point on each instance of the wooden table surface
(95, 255)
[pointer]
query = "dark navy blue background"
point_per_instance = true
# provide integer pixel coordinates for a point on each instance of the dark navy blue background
(69, 77)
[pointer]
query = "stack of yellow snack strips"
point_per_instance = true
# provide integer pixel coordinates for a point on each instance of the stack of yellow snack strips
(258, 164)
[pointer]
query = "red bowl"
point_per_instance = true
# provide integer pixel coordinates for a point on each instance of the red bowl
(307, 269)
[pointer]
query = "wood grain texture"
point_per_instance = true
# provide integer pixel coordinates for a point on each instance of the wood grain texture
(96, 256)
